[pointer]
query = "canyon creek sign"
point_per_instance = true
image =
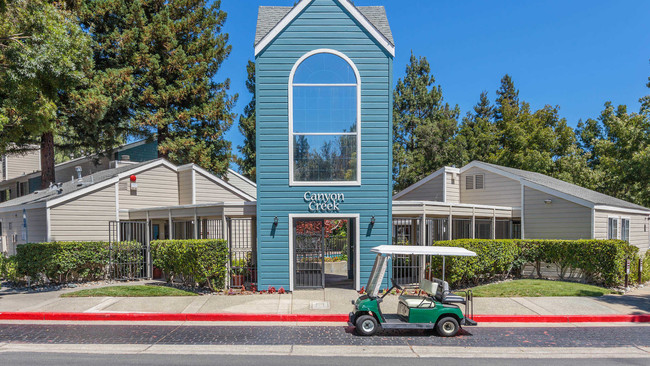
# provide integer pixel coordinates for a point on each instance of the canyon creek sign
(323, 202)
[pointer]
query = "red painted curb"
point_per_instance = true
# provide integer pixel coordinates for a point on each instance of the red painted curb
(338, 318)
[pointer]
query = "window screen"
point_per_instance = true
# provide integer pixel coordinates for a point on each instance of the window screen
(479, 178)
(612, 232)
(469, 182)
(625, 230)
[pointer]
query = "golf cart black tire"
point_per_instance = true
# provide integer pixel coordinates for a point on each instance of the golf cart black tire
(368, 319)
(447, 326)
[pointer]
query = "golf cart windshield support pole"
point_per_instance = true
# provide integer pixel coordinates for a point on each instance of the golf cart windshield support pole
(443, 268)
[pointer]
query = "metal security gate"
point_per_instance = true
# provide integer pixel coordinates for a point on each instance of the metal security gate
(406, 268)
(129, 255)
(243, 254)
(309, 258)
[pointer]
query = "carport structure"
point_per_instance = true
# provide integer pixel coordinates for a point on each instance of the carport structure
(445, 221)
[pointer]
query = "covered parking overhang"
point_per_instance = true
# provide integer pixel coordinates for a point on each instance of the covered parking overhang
(446, 214)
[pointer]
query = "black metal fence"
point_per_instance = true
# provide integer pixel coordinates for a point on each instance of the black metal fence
(129, 253)
(243, 256)
(406, 268)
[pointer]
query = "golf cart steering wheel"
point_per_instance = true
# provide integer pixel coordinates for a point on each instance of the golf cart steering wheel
(395, 284)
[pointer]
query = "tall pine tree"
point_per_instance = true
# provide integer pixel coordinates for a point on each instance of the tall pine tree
(169, 51)
(423, 125)
(477, 135)
(247, 128)
(44, 56)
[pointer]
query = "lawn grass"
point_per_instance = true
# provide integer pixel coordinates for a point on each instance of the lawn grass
(538, 288)
(130, 291)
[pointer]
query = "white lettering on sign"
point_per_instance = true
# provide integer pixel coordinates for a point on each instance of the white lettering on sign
(323, 202)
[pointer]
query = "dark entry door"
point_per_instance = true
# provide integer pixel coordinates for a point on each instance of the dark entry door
(309, 248)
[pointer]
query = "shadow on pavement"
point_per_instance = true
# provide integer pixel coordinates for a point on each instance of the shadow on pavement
(638, 304)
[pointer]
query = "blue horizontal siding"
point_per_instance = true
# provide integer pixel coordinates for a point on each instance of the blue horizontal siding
(323, 24)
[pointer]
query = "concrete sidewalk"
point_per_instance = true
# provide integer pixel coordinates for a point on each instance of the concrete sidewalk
(326, 301)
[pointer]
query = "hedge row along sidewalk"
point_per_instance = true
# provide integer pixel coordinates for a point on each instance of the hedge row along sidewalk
(203, 262)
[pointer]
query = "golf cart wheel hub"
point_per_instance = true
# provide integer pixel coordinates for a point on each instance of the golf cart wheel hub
(367, 325)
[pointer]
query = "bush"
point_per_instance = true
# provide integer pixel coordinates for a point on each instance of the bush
(8, 268)
(193, 261)
(61, 262)
(600, 261)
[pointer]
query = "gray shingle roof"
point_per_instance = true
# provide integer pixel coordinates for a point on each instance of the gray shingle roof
(568, 188)
(269, 16)
(71, 186)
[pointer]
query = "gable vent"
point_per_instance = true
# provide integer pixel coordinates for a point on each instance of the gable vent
(469, 182)
(479, 181)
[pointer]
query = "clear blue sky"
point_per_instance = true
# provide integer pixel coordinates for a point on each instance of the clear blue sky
(575, 54)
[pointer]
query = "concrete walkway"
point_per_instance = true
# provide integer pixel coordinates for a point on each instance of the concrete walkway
(326, 301)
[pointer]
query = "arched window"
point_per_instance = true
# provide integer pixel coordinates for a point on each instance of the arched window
(324, 120)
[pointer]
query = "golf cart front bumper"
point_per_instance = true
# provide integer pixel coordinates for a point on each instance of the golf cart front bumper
(351, 318)
(468, 322)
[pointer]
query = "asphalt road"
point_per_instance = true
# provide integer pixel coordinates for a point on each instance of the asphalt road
(29, 359)
(634, 336)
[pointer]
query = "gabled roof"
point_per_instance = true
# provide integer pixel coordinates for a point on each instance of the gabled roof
(425, 180)
(541, 181)
(90, 183)
(271, 20)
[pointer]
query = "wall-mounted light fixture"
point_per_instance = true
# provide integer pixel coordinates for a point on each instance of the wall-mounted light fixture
(372, 220)
(275, 221)
(548, 201)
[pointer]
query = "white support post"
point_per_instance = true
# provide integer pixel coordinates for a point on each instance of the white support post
(423, 238)
(196, 225)
(224, 234)
(171, 226)
(494, 223)
(148, 240)
(450, 224)
(473, 228)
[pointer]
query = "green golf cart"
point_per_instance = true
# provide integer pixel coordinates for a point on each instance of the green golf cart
(436, 307)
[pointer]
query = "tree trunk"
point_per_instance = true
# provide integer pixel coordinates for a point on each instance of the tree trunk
(47, 159)
(162, 136)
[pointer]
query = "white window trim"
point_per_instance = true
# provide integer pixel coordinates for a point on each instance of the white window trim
(357, 246)
(357, 182)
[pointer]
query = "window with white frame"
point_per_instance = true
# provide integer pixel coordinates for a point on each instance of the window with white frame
(612, 231)
(469, 182)
(324, 120)
(476, 181)
(625, 230)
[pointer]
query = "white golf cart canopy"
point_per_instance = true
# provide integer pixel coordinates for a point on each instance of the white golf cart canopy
(386, 251)
(422, 250)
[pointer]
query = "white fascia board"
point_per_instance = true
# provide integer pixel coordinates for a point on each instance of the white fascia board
(356, 14)
(199, 205)
(420, 183)
(553, 192)
(242, 177)
(481, 165)
(223, 183)
(621, 209)
(447, 204)
(18, 208)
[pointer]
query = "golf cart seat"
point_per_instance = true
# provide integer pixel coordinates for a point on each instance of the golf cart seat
(425, 301)
(444, 295)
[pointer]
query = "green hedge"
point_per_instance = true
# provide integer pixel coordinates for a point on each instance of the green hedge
(8, 268)
(200, 262)
(600, 261)
(61, 262)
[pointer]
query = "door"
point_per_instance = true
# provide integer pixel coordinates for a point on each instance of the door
(309, 258)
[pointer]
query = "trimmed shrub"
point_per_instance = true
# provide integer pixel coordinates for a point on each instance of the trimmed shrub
(61, 262)
(600, 261)
(201, 262)
(8, 268)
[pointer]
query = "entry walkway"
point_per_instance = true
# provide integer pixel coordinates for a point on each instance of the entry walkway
(327, 301)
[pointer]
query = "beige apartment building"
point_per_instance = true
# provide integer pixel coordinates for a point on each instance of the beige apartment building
(482, 200)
